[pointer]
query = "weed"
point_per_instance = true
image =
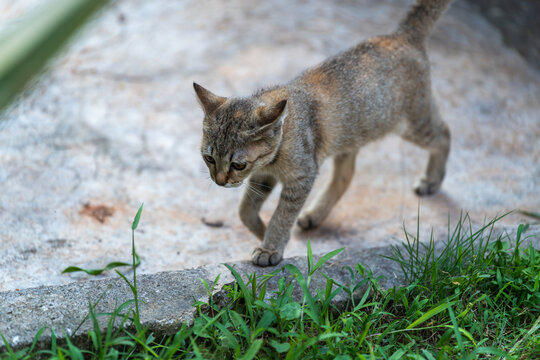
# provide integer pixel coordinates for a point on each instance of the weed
(475, 297)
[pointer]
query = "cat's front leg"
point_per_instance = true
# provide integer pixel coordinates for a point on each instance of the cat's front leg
(258, 189)
(278, 233)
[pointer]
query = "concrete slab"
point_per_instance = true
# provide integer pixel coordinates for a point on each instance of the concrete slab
(168, 297)
(115, 123)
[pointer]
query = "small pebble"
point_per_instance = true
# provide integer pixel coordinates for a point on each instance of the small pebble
(212, 223)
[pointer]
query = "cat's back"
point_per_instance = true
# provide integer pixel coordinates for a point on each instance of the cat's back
(361, 92)
(369, 62)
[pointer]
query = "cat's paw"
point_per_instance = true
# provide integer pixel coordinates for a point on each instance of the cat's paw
(424, 187)
(265, 257)
(307, 221)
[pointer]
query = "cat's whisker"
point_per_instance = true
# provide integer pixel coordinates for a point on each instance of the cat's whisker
(260, 184)
(250, 192)
(256, 191)
(247, 192)
(254, 188)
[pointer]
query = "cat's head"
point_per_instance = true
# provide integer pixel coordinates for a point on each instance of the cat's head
(240, 135)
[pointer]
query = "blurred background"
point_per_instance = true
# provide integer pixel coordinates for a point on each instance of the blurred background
(91, 130)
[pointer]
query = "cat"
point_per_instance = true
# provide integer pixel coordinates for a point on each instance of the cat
(283, 133)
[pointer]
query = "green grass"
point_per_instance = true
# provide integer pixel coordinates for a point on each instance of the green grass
(477, 298)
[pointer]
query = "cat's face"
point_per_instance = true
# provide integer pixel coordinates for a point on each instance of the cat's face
(240, 136)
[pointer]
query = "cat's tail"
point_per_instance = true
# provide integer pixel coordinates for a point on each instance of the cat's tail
(419, 21)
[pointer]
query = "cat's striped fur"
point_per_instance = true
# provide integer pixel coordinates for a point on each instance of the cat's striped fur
(285, 132)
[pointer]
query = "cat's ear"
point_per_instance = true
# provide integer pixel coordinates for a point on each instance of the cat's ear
(270, 113)
(270, 119)
(208, 100)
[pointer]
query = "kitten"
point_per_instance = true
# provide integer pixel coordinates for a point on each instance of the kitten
(284, 133)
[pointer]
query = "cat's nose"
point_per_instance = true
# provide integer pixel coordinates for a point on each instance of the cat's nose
(221, 179)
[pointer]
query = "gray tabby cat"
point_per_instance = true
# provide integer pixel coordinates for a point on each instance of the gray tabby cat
(284, 133)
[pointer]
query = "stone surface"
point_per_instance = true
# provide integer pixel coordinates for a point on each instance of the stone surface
(115, 123)
(168, 297)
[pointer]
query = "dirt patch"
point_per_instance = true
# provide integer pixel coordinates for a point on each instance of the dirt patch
(98, 212)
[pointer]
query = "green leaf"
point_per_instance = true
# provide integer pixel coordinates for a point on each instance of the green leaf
(267, 319)
(121, 341)
(60, 354)
(290, 311)
(492, 351)
(229, 340)
(307, 294)
(325, 258)
(252, 351)
(427, 354)
(112, 265)
(464, 332)
(133, 289)
(30, 42)
(243, 288)
(143, 345)
(239, 323)
(36, 338)
(53, 340)
(137, 218)
(263, 305)
(432, 312)
(309, 257)
(455, 326)
(6, 344)
(74, 352)
(280, 347)
(398, 354)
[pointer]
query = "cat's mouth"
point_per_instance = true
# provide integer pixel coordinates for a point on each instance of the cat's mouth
(233, 185)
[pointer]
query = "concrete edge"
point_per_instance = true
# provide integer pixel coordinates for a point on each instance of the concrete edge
(167, 298)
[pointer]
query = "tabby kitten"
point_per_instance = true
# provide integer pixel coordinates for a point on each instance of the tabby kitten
(284, 133)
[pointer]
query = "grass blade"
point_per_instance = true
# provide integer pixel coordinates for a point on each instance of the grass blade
(36, 38)
(252, 351)
(243, 288)
(325, 258)
(455, 326)
(429, 314)
(36, 338)
(309, 257)
(305, 289)
(9, 349)
(137, 218)
(109, 266)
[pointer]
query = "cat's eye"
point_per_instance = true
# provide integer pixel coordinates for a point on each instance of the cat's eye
(238, 166)
(209, 159)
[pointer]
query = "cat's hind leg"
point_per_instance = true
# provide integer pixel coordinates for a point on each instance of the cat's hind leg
(432, 134)
(258, 189)
(341, 178)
